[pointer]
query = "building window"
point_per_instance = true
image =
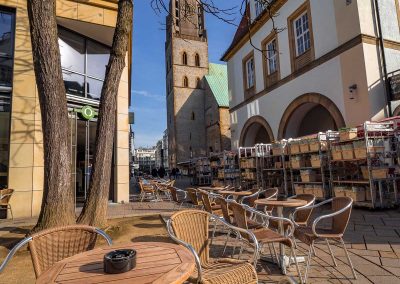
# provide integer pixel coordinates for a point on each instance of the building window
(197, 60)
(177, 13)
(7, 34)
(198, 83)
(302, 31)
(250, 73)
(193, 116)
(84, 63)
(184, 58)
(259, 7)
(185, 82)
(301, 37)
(272, 57)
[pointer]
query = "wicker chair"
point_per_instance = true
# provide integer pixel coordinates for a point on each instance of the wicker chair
(147, 191)
(191, 229)
(194, 198)
(264, 235)
(50, 246)
(175, 192)
(209, 206)
(5, 196)
(341, 211)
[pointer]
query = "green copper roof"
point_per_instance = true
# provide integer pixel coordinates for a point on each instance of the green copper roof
(217, 79)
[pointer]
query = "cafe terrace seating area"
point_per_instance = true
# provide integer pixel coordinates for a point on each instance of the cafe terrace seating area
(230, 235)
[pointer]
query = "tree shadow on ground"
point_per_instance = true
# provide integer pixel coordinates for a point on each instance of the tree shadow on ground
(156, 238)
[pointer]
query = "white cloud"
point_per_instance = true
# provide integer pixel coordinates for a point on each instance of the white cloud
(146, 94)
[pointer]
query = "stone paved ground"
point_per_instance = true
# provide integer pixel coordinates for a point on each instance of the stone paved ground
(372, 237)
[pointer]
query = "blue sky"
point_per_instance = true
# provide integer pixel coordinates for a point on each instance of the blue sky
(148, 70)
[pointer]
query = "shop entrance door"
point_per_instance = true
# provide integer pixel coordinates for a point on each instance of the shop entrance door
(83, 135)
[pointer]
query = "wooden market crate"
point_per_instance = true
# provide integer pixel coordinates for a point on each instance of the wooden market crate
(340, 191)
(308, 176)
(380, 173)
(316, 145)
(304, 147)
(318, 191)
(348, 134)
(368, 196)
(297, 164)
(316, 161)
(277, 151)
(357, 194)
(294, 148)
(308, 189)
(337, 154)
(360, 153)
(299, 189)
(348, 154)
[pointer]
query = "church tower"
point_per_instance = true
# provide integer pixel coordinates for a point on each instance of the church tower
(186, 55)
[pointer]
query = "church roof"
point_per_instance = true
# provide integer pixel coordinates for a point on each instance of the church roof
(217, 79)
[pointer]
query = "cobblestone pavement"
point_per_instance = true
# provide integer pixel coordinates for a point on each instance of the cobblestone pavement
(372, 238)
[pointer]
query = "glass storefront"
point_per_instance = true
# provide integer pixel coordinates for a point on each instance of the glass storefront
(7, 33)
(84, 64)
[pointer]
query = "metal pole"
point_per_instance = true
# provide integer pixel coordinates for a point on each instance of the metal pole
(382, 50)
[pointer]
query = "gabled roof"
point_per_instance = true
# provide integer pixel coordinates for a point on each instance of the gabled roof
(217, 79)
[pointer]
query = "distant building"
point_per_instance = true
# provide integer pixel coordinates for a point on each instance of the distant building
(165, 150)
(159, 154)
(162, 151)
(146, 158)
(325, 69)
(197, 93)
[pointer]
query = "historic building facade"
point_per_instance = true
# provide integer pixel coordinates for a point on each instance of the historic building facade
(187, 66)
(324, 68)
(85, 30)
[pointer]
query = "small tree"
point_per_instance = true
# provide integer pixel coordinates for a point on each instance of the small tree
(58, 199)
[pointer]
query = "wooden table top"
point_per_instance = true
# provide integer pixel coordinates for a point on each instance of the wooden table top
(158, 263)
(211, 188)
(236, 193)
(292, 202)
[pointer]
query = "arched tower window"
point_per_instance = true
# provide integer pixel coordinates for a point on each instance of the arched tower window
(185, 82)
(184, 58)
(193, 117)
(197, 60)
(198, 82)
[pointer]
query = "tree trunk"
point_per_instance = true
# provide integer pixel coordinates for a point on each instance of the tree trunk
(58, 199)
(94, 212)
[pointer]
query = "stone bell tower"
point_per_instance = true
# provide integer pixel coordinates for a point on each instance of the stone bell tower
(186, 57)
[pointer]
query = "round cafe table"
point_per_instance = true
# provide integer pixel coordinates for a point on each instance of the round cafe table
(212, 188)
(280, 204)
(237, 194)
(158, 263)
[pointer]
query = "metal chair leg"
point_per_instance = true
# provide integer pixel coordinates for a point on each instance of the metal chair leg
(276, 255)
(234, 247)
(348, 259)
(313, 250)
(308, 262)
(293, 252)
(226, 242)
(331, 252)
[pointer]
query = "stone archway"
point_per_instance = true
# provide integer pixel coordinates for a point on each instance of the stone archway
(255, 130)
(308, 114)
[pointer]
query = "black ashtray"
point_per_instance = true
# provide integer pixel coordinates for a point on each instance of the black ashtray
(119, 261)
(281, 198)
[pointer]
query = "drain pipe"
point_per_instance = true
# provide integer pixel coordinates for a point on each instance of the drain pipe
(382, 51)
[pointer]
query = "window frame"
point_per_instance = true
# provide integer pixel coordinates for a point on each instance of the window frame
(298, 61)
(249, 90)
(85, 74)
(185, 82)
(302, 36)
(270, 78)
(13, 12)
(197, 60)
(258, 8)
(184, 58)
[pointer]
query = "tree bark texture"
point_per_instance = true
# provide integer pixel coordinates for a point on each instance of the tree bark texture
(94, 212)
(58, 198)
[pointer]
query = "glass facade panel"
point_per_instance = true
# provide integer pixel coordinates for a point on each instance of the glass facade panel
(72, 49)
(84, 63)
(97, 59)
(7, 34)
(74, 83)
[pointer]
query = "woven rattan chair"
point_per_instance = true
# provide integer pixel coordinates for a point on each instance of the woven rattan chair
(147, 191)
(264, 235)
(209, 206)
(50, 246)
(194, 198)
(5, 196)
(178, 196)
(341, 211)
(191, 229)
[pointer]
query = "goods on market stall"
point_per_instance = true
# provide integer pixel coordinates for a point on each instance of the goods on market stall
(347, 134)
